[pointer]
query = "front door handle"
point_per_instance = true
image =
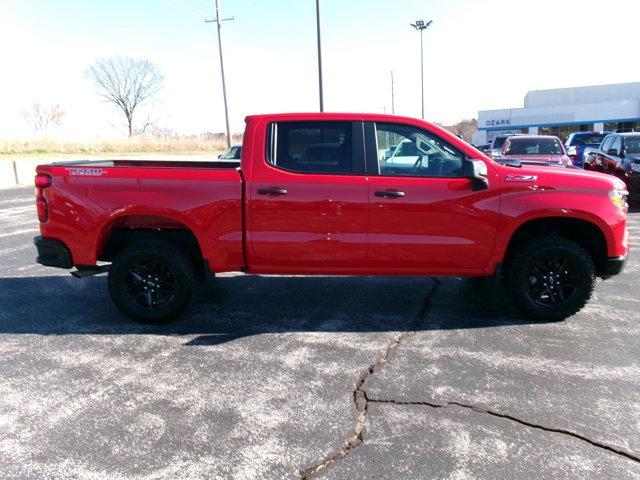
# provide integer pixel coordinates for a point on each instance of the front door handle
(385, 193)
(272, 191)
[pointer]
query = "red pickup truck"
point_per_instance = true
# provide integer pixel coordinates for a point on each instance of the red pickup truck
(333, 194)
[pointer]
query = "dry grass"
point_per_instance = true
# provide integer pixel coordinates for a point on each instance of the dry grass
(175, 144)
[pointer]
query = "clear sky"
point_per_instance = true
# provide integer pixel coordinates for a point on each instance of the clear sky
(478, 55)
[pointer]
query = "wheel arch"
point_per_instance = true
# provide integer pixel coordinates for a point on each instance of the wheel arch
(585, 232)
(126, 228)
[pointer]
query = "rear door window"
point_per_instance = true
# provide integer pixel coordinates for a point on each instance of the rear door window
(314, 147)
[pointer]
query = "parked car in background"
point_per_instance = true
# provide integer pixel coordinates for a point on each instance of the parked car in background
(496, 144)
(589, 157)
(577, 142)
(535, 150)
(483, 148)
(619, 155)
(234, 152)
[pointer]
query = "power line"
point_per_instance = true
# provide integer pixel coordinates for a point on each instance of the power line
(184, 8)
(252, 6)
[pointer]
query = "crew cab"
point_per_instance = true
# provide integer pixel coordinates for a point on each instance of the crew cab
(316, 194)
(619, 155)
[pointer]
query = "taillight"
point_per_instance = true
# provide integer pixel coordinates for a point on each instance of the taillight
(42, 181)
(43, 209)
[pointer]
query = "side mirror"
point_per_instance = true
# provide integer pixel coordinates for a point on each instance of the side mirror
(476, 171)
(613, 151)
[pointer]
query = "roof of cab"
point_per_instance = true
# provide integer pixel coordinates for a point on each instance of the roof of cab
(334, 116)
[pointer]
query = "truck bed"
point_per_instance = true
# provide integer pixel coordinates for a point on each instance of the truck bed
(89, 200)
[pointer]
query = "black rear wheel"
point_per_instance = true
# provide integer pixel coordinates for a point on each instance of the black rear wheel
(550, 277)
(151, 284)
(151, 281)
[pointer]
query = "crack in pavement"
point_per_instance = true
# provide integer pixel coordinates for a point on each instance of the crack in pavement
(493, 413)
(361, 401)
(359, 395)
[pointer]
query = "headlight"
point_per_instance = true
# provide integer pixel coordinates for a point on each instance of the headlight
(619, 198)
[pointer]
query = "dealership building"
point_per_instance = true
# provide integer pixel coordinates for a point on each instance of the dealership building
(562, 111)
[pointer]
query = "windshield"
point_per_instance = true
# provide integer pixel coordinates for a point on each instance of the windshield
(499, 142)
(632, 144)
(534, 146)
(592, 139)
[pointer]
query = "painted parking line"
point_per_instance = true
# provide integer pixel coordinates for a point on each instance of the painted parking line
(19, 232)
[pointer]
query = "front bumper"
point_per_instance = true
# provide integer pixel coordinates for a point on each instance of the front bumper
(614, 265)
(52, 253)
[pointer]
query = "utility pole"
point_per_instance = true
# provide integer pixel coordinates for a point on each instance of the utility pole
(218, 22)
(393, 103)
(421, 26)
(319, 55)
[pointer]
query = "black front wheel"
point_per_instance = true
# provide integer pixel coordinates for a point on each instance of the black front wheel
(550, 278)
(151, 281)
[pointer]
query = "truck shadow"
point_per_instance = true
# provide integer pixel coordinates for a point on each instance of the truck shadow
(246, 305)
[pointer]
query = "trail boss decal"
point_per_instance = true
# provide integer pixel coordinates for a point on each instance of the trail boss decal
(88, 172)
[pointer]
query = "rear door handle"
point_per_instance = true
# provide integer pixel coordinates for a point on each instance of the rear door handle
(385, 193)
(272, 191)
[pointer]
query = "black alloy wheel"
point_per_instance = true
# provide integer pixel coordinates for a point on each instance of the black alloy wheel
(552, 281)
(549, 277)
(150, 284)
(152, 281)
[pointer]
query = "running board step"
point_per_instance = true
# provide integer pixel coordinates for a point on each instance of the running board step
(83, 272)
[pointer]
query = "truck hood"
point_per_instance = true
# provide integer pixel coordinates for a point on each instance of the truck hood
(554, 178)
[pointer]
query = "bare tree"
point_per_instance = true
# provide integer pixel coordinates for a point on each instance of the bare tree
(467, 128)
(40, 118)
(127, 83)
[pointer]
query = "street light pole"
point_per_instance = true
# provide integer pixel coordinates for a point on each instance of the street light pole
(319, 55)
(421, 70)
(393, 103)
(218, 22)
(421, 26)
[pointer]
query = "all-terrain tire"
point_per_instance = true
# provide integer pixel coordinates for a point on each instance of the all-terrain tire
(152, 281)
(548, 264)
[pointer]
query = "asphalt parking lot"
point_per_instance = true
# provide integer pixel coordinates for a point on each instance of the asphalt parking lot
(299, 377)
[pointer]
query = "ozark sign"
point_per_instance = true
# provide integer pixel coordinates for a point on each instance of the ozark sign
(498, 122)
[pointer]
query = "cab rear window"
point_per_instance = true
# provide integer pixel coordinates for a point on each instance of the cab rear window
(312, 147)
(593, 139)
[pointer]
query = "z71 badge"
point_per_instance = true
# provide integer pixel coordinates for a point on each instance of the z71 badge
(90, 172)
